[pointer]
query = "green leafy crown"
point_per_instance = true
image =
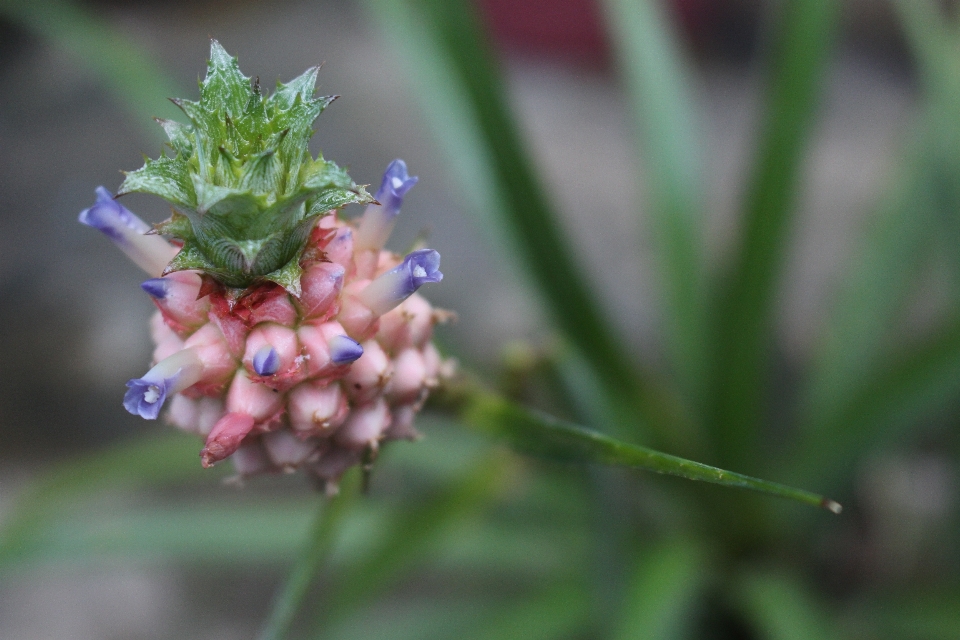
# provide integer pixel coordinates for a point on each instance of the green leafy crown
(244, 188)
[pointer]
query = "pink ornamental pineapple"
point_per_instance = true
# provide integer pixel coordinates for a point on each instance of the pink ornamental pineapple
(286, 337)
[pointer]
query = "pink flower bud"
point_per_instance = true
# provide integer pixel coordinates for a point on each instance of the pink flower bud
(286, 348)
(433, 363)
(316, 409)
(368, 375)
(357, 318)
(321, 284)
(159, 330)
(225, 437)
(410, 324)
(175, 294)
(195, 415)
(364, 426)
(339, 249)
(288, 451)
(250, 398)
(408, 379)
(325, 357)
(211, 347)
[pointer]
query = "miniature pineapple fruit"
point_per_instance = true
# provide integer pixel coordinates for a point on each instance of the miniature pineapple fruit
(286, 337)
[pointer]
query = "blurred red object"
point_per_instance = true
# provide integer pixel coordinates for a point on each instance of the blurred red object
(571, 30)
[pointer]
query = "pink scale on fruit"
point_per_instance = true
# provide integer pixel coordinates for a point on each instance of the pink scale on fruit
(357, 318)
(251, 458)
(369, 375)
(316, 409)
(321, 284)
(195, 415)
(283, 340)
(365, 426)
(409, 375)
(215, 356)
(176, 296)
(250, 398)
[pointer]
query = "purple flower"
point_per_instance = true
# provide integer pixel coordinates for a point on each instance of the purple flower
(150, 252)
(344, 349)
(395, 184)
(266, 361)
(396, 285)
(145, 396)
(377, 222)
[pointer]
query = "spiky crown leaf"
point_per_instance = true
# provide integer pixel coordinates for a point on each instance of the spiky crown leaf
(244, 188)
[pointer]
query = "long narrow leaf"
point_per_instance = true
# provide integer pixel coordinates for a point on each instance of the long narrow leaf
(538, 434)
(453, 67)
(747, 301)
(661, 103)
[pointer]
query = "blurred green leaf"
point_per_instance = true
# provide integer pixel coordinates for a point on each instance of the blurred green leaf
(779, 608)
(864, 384)
(412, 534)
(95, 44)
(664, 589)
(154, 460)
(288, 599)
(464, 98)
(541, 435)
(746, 304)
(915, 384)
(929, 615)
(661, 102)
(559, 612)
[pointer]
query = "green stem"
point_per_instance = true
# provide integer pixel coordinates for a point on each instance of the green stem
(322, 536)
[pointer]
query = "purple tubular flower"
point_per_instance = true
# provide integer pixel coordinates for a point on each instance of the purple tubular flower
(151, 253)
(344, 349)
(395, 184)
(266, 361)
(156, 287)
(377, 222)
(145, 396)
(398, 284)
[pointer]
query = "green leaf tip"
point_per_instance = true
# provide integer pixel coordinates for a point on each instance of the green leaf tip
(242, 182)
(540, 435)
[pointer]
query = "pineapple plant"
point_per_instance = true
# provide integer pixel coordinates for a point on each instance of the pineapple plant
(285, 336)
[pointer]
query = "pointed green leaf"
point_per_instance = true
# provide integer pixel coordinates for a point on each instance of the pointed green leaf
(165, 177)
(180, 136)
(303, 85)
(541, 435)
(224, 89)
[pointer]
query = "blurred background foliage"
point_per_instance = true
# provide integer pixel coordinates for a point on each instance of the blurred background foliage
(727, 230)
